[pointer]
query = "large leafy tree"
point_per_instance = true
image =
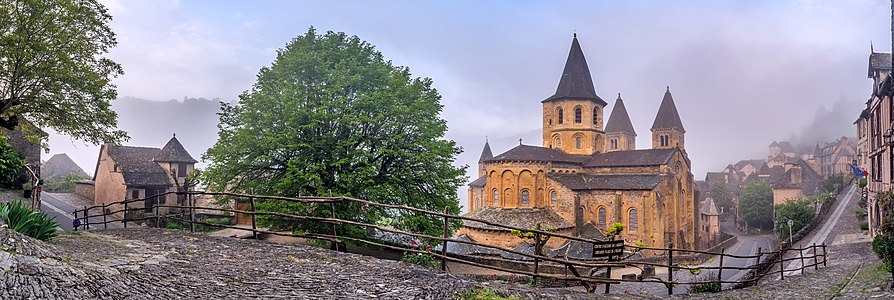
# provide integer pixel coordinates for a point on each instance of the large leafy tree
(756, 204)
(800, 212)
(332, 117)
(52, 70)
(722, 197)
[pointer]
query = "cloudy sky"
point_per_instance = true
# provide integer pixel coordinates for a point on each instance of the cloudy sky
(743, 73)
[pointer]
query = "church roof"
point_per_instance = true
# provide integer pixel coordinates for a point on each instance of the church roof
(667, 116)
(480, 182)
(619, 121)
(708, 207)
(516, 217)
(486, 153)
(633, 158)
(534, 153)
(576, 82)
(608, 182)
(173, 151)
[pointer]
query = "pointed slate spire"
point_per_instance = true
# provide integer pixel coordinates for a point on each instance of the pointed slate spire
(667, 116)
(619, 121)
(173, 151)
(818, 151)
(576, 82)
(486, 153)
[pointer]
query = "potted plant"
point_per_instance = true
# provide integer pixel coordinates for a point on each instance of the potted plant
(26, 189)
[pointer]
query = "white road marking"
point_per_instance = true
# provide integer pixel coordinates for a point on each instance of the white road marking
(825, 231)
(58, 210)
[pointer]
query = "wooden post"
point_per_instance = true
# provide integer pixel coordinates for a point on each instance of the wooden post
(670, 269)
(157, 225)
(781, 267)
(125, 213)
(824, 254)
(815, 264)
(608, 273)
(801, 253)
(105, 223)
(192, 212)
(86, 218)
(332, 210)
(720, 271)
(537, 248)
(759, 256)
(446, 236)
(254, 226)
(75, 218)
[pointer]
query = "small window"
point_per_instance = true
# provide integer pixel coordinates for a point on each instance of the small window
(577, 143)
(634, 220)
(553, 198)
(561, 115)
(135, 194)
(577, 115)
(601, 218)
(525, 198)
(496, 198)
(478, 202)
(182, 170)
(595, 116)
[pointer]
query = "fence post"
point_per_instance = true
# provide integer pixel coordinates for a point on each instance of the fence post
(125, 213)
(157, 225)
(537, 248)
(824, 254)
(105, 224)
(75, 219)
(86, 218)
(781, 267)
(254, 226)
(720, 271)
(192, 212)
(815, 265)
(446, 236)
(608, 273)
(334, 233)
(801, 253)
(670, 269)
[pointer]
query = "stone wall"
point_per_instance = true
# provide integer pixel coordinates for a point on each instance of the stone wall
(85, 188)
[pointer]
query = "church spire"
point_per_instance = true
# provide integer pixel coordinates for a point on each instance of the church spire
(576, 82)
(486, 153)
(667, 117)
(619, 121)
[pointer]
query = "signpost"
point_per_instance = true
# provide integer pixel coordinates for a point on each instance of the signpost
(790, 223)
(610, 250)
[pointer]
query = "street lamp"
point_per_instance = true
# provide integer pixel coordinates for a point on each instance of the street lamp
(790, 223)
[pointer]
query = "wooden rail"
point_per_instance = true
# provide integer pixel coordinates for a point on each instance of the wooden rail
(83, 216)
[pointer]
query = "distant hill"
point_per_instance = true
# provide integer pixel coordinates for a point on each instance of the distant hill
(59, 166)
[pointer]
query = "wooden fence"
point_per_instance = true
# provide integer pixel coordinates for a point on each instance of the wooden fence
(586, 275)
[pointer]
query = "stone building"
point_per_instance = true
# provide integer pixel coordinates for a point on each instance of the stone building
(874, 132)
(709, 223)
(835, 157)
(584, 176)
(796, 181)
(127, 172)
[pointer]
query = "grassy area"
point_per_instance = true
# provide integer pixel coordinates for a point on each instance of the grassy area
(483, 293)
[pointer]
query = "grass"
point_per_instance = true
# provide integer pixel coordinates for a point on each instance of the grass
(483, 293)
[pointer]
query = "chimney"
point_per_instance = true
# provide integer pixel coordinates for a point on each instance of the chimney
(796, 174)
(787, 166)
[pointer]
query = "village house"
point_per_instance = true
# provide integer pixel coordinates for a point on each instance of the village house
(128, 172)
(835, 157)
(585, 177)
(796, 181)
(874, 130)
(709, 223)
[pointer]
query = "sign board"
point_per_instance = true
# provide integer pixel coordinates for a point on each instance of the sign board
(608, 249)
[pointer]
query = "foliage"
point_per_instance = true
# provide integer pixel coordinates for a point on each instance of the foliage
(710, 286)
(883, 243)
(801, 212)
(615, 230)
(52, 70)
(860, 213)
(756, 204)
(824, 197)
(67, 184)
(863, 225)
(332, 117)
(36, 224)
(422, 259)
(483, 293)
(10, 163)
(834, 183)
(722, 197)
(863, 182)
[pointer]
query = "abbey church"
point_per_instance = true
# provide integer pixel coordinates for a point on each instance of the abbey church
(586, 177)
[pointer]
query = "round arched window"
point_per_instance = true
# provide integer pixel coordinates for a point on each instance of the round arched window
(525, 198)
(553, 198)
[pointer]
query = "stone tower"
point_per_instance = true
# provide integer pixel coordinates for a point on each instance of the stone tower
(667, 130)
(485, 155)
(572, 117)
(619, 133)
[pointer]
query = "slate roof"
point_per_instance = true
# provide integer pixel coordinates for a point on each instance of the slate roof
(534, 153)
(137, 167)
(667, 116)
(879, 61)
(576, 82)
(619, 121)
(608, 182)
(486, 153)
(516, 217)
(480, 182)
(754, 162)
(173, 151)
(708, 207)
(809, 178)
(633, 158)
(786, 147)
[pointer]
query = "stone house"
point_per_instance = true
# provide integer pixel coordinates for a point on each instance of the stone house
(585, 177)
(874, 130)
(127, 172)
(709, 223)
(798, 181)
(835, 157)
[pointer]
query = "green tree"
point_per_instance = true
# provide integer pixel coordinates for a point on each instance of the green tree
(332, 116)
(10, 164)
(756, 204)
(52, 70)
(800, 212)
(722, 197)
(883, 243)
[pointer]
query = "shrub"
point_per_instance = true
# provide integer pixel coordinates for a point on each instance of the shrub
(800, 212)
(422, 259)
(708, 287)
(860, 213)
(36, 224)
(10, 164)
(864, 226)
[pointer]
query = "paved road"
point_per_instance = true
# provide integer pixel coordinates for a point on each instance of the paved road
(748, 244)
(62, 211)
(822, 233)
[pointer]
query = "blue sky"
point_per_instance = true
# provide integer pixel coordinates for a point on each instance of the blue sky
(743, 73)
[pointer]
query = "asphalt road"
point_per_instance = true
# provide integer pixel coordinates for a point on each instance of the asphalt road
(748, 244)
(62, 212)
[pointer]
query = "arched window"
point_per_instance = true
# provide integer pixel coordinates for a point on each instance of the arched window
(478, 202)
(553, 198)
(558, 142)
(577, 143)
(560, 115)
(601, 218)
(525, 198)
(595, 115)
(577, 115)
(634, 220)
(496, 198)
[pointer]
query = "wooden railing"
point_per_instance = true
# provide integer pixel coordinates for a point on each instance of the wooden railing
(187, 213)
